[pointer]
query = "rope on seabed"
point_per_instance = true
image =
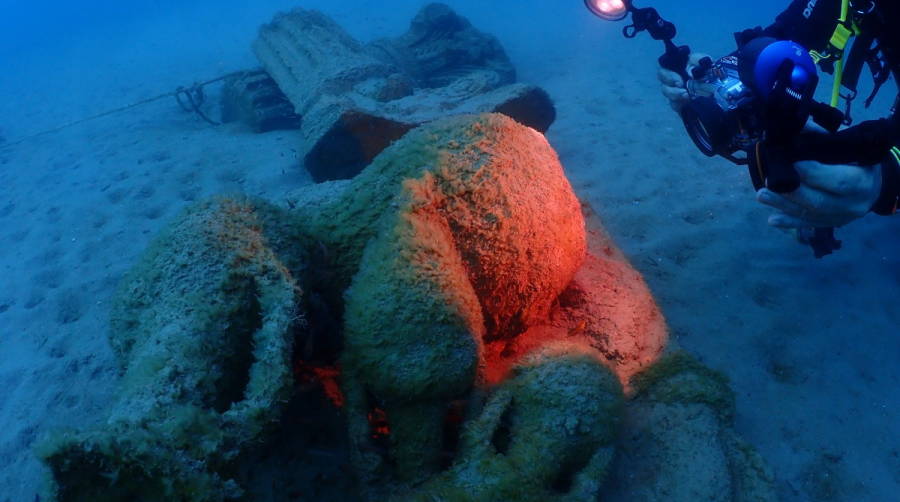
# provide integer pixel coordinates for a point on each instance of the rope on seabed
(189, 98)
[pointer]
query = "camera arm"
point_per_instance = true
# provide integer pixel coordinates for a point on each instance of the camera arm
(676, 57)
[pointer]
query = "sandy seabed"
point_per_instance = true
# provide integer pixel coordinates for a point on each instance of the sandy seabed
(811, 346)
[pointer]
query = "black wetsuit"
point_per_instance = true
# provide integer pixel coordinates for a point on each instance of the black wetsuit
(811, 23)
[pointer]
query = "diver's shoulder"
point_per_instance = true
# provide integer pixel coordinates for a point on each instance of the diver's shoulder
(819, 9)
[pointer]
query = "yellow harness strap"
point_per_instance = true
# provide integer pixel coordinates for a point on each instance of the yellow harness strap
(843, 32)
(839, 39)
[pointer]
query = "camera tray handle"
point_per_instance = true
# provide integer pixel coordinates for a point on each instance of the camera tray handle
(676, 59)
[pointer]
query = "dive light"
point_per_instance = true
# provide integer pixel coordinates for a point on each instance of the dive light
(610, 10)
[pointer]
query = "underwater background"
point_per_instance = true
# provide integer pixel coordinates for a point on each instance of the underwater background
(810, 346)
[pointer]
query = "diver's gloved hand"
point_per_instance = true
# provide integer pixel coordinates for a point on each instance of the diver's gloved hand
(673, 86)
(829, 196)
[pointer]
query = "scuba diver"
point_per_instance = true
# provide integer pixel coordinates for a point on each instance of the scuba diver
(840, 185)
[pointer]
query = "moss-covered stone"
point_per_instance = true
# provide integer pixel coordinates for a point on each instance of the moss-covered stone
(678, 444)
(203, 327)
(344, 225)
(544, 435)
(501, 189)
(413, 329)
(751, 479)
(453, 257)
(681, 378)
(121, 463)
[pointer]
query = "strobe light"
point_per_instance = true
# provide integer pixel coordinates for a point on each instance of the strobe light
(610, 10)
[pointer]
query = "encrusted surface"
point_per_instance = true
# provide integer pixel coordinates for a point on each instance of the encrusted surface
(204, 328)
(356, 100)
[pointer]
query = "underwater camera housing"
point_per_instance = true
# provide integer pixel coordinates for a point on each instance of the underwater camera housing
(756, 101)
(742, 98)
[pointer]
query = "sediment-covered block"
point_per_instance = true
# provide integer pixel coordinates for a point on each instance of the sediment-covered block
(545, 434)
(255, 99)
(203, 327)
(441, 46)
(356, 100)
(678, 442)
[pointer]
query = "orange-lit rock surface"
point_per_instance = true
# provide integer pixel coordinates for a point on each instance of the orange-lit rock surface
(476, 245)
(607, 307)
(500, 187)
(465, 250)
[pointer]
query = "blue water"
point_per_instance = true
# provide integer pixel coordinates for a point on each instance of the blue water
(743, 297)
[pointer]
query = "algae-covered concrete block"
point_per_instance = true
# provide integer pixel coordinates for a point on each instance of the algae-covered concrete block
(357, 100)
(203, 327)
(678, 442)
(311, 56)
(331, 81)
(253, 98)
(546, 434)
(441, 46)
(475, 93)
(343, 135)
